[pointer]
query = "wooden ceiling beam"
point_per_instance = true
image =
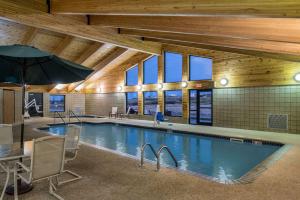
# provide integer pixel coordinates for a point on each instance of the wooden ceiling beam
(100, 65)
(63, 45)
(89, 52)
(12, 11)
(275, 29)
(29, 36)
(274, 8)
(237, 44)
(226, 49)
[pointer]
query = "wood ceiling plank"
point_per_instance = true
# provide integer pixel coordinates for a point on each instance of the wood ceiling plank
(21, 14)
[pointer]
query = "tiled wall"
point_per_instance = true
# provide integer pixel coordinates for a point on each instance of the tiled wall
(101, 104)
(248, 108)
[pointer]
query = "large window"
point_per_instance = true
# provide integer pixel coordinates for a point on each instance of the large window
(173, 67)
(173, 103)
(57, 103)
(132, 76)
(150, 103)
(132, 102)
(151, 70)
(200, 68)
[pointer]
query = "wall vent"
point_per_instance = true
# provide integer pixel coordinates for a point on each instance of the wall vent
(278, 121)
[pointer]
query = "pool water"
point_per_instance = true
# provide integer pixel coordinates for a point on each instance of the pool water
(218, 158)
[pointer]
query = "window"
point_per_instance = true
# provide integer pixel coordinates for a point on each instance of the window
(150, 103)
(201, 107)
(173, 103)
(200, 68)
(132, 75)
(173, 67)
(132, 102)
(57, 103)
(151, 70)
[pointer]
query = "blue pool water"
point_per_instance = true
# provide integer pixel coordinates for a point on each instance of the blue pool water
(215, 157)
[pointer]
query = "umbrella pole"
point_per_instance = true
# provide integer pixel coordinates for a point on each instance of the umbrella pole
(22, 186)
(22, 125)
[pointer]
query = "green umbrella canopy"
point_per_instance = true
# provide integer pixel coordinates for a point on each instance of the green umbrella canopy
(22, 64)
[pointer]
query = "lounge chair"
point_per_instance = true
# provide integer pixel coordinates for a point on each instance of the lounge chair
(71, 149)
(127, 113)
(6, 137)
(47, 162)
(114, 112)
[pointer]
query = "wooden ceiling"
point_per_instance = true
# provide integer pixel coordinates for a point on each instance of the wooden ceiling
(104, 33)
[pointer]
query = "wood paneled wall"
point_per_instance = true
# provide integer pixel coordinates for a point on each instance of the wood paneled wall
(241, 71)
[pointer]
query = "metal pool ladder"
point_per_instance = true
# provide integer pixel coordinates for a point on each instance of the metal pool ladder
(143, 151)
(157, 154)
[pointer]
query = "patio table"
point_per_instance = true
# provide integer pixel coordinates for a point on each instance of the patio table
(12, 152)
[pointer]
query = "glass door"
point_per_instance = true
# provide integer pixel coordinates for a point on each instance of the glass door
(201, 107)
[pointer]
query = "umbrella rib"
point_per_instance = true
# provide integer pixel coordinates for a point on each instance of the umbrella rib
(70, 71)
(42, 68)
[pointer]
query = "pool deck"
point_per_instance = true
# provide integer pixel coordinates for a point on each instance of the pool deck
(113, 177)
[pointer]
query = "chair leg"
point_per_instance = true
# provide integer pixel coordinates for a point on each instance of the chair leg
(52, 189)
(77, 177)
(6, 182)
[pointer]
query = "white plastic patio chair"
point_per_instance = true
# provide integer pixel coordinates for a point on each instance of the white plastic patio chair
(6, 137)
(47, 161)
(71, 149)
(114, 112)
(127, 113)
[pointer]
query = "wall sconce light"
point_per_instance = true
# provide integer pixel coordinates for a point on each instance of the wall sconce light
(297, 77)
(98, 90)
(59, 86)
(79, 87)
(160, 86)
(119, 88)
(184, 84)
(139, 87)
(224, 81)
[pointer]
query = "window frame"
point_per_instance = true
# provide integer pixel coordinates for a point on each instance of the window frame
(144, 101)
(144, 70)
(164, 67)
(126, 101)
(198, 107)
(189, 68)
(64, 103)
(125, 80)
(165, 103)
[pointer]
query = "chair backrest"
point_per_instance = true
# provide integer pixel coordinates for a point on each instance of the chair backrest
(6, 134)
(114, 110)
(72, 137)
(47, 157)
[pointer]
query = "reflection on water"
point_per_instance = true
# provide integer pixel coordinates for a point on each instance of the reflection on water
(215, 157)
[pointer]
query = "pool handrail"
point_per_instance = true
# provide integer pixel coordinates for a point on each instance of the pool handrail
(143, 150)
(71, 113)
(59, 115)
(169, 151)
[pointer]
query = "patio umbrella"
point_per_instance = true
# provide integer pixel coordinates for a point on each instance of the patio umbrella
(26, 65)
